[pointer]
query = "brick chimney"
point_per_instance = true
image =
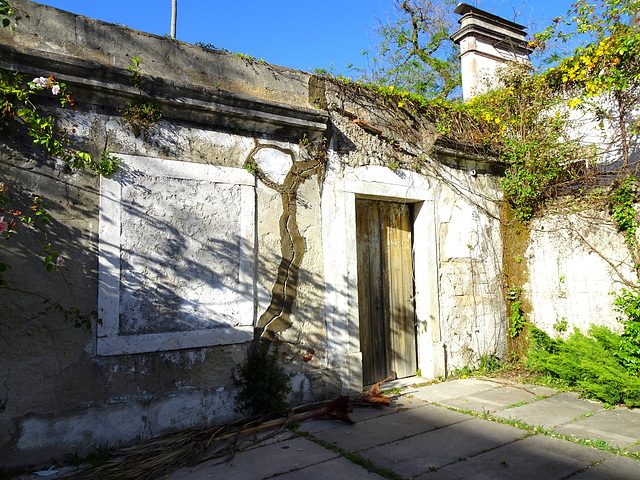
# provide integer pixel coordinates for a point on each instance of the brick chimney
(486, 42)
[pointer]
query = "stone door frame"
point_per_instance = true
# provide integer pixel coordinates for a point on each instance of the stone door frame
(342, 186)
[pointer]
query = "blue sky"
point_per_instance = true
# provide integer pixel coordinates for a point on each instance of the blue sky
(299, 34)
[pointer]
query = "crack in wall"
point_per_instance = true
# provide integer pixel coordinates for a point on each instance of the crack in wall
(275, 318)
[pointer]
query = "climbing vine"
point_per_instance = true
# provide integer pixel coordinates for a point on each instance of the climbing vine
(20, 109)
(517, 321)
(604, 71)
(621, 202)
(521, 121)
(627, 301)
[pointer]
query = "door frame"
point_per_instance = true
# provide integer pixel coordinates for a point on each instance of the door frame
(386, 289)
(340, 266)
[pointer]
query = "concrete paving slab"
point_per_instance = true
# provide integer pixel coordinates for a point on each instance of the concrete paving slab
(614, 468)
(534, 458)
(531, 388)
(401, 383)
(619, 427)
(539, 390)
(452, 389)
(491, 400)
(263, 438)
(259, 463)
(336, 469)
(389, 428)
(553, 411)
(417, 455)
(363, 413)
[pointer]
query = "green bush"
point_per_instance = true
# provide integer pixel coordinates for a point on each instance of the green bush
(263, 384)
(628, 303)
(588, 362)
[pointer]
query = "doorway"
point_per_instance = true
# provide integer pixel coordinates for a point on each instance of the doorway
(385, 289)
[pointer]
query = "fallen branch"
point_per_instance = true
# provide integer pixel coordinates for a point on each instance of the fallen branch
(373, 395)
(160, 456)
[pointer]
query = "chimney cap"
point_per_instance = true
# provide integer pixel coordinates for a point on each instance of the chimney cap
(465, 8)
(490, 29)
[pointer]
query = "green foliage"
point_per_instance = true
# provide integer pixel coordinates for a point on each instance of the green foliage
(415, 51)
(250, 166)
(561, 325)
(136, 73)
(517, 321)
(20, 109)
(522, 120)
(16, 104)
(628, 303)
(622, 209)
(604, 67)
(98, 456)
(488, 363)
(462, 372)
(6, 11)
(588, 362)
(142, 116)
(72, 315)
(244, 56)
(534, 144)
(263, 383)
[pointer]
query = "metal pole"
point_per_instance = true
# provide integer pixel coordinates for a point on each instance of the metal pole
(174, 16)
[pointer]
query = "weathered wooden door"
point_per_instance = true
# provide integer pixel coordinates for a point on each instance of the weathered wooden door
(385, 290)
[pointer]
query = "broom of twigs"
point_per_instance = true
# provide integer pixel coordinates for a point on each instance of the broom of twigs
(157, 457)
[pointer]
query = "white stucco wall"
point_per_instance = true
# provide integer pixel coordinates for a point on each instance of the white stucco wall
(457, 259)
(574, 261)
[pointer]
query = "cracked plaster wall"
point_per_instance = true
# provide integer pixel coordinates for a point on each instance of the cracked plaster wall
(239, 114)
(471, 279)
(55, 389)
(573, 261)
(57, 393)
(457, 241)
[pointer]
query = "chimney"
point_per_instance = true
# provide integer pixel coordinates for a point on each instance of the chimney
(486, 42)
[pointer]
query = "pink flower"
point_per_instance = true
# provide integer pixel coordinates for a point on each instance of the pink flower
(59, 261)
(55, 89)
(42, 82)
(3, 224)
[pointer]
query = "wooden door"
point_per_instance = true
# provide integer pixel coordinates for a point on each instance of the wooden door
(385, 290)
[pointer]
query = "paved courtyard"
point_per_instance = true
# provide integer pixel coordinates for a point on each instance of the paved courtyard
(462, 429)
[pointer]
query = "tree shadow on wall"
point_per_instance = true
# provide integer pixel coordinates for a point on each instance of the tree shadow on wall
(185, 278)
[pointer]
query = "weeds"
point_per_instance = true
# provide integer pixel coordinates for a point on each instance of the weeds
(136, 73)
(487, 364)
(98, 456)
(263, 383)
(141, 116)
